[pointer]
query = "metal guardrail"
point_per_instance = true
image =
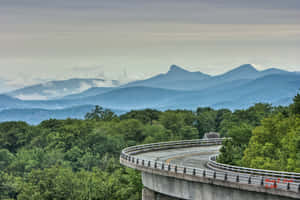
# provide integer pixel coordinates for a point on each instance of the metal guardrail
(289, 176)
(262, 178)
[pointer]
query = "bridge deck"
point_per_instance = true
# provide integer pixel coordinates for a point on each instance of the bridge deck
(191, 157)
(187, 161)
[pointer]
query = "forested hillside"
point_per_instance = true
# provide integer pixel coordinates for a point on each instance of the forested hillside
(79, 159)
(272, 142)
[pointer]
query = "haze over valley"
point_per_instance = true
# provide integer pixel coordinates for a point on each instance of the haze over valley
(178, 88)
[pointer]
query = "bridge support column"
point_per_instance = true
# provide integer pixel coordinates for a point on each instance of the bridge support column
(148, 194)
(151, 195)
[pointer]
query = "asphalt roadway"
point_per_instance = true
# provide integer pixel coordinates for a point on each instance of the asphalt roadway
(196, 157)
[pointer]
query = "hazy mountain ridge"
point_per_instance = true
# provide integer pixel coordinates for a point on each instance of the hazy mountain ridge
(59, 89)
(175, 74)
(176, 78)
(89, 92)
(268, 89)
(199, 81)
(236, 89)
(9, 102)
(138, 97)
(36, 115)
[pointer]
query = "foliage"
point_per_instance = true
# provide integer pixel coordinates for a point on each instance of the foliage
(296, 105)
(232, 149)
(79, 159)
(145, 116)
(100, 114)
(273, 143)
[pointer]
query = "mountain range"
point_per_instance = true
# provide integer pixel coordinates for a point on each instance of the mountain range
(175, 89)
(180, 79)
(59, 89)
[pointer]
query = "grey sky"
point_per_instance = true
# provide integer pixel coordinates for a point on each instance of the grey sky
(45, 40)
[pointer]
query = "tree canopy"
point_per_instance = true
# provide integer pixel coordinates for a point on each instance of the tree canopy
(79, 159)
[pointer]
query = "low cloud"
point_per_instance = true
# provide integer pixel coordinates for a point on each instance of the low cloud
(103, 83)
(83, 86)
(34, 96)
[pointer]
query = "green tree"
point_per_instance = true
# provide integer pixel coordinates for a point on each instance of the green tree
(145, 116)
(275, 145)
(14, 135)
(172, 121)
(296, 105)
(6, 158)
(233, 149)
(100, 114)
(156, 133)
(132, 130)
(206, 121)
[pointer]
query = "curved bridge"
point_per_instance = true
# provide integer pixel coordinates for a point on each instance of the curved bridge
(188, 170)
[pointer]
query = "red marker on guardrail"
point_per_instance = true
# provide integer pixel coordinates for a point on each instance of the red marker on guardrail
(272, 183)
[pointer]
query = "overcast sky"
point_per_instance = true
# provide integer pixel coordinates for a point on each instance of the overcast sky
(120, 39)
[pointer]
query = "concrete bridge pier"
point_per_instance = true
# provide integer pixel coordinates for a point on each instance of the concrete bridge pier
(148, 194)
(151, 195)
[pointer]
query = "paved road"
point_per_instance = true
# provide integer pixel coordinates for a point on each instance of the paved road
(191, 157)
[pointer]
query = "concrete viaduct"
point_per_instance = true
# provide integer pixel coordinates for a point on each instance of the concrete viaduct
(184, 170)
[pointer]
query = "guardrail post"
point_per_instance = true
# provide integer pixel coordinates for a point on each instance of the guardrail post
(137, 161)
(184, 170)
(249, 180)
(169, 167)
(288, 186)
(298, 187)
(215, 175)
(143, 162)
(204, 173)
(225, 177)
(133, 159)
(237, 178)
(175, 168)
(163, 166)
(194, 172)
(149, 163)
(155, 165)
(129, 159)
(262, 181)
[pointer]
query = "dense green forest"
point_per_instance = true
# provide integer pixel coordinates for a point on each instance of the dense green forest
(271, 140)
(79, 159)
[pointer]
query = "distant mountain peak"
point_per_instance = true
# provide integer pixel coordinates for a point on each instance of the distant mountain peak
(176, 69)
(275, 70)
(246, 71)
(248, 67)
